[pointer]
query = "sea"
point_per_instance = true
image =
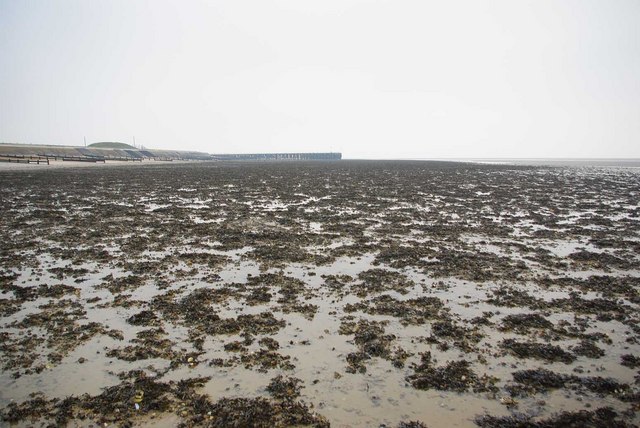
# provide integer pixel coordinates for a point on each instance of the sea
(566, 162)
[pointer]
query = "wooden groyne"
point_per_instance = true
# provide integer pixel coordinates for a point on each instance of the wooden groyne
(24, 159)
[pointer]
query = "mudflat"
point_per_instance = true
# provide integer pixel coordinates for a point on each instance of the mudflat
(351, 293)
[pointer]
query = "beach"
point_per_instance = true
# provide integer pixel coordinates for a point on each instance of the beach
(349, 293)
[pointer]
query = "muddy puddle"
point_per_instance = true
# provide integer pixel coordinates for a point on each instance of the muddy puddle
(350, 294)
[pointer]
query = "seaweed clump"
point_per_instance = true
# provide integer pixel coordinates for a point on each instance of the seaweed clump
(630, 361)
(454, 376)
(522, 323)
(540, 351)
(115, 404)
(120, 404)
(411, 424)
(603, 417)
(541, 380)
(412, 311)
(587, 348)
(253, 413)
(283, 388)
(147, 344)
(371, 340)
(379, 280)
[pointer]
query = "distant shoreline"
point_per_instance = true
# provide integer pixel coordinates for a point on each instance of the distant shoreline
(58, 164)
(551, 162)
(576, 162)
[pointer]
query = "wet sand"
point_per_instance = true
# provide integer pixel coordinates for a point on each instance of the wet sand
(352, 293)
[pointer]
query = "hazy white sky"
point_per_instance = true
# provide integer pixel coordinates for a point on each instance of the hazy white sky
(372, 79)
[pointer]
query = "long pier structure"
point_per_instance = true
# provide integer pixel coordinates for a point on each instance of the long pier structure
(278, 156)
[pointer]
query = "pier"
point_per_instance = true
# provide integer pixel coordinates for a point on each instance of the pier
(278, 156)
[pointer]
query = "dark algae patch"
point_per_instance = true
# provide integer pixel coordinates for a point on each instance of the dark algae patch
(353, 293)
(540, 351)
(603, 417)
(283, 388)
(630, 361)
(453, 376)
(524, 323)
(128, 402)
(542, 380)
(115, 404)
(371, 340)
(255, 412)
(411, 311)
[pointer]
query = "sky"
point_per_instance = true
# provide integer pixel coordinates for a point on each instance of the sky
(368, 78)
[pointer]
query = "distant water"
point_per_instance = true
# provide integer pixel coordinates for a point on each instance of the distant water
(575, 162)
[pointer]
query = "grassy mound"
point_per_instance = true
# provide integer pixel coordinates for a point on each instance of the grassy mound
(111, 145)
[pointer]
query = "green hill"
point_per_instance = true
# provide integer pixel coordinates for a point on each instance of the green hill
(111, 145)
